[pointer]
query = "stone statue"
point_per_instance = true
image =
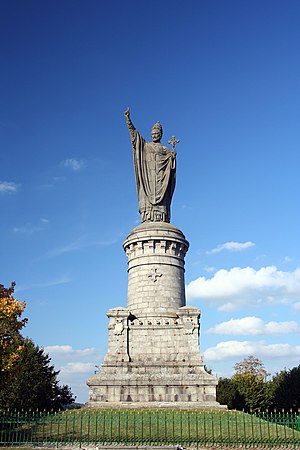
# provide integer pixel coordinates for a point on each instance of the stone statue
(155, 173)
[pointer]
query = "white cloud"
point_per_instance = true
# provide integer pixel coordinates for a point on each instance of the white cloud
(74, 164)
(210, 269)
(282, 327)
(29, 228)
(231, 247)
(8, 187)
(228, 349)
(253, 326)
(68, 350)
(296, 306)
(77, 367)
(234, 349)
(233, 288)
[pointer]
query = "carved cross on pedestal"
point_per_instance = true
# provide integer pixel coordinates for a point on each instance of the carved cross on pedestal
(154, 275)
(173, 141)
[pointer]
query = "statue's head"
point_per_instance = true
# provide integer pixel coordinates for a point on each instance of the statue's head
(157, 132)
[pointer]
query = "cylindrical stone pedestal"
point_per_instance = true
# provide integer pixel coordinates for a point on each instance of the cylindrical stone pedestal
(155, 252)
(153, 357)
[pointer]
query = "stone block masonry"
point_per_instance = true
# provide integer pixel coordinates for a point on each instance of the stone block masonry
(153, 356)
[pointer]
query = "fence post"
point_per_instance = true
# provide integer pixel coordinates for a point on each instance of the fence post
(118, 413)
(190, 423)
(244, 423)
(293, 428)
(103, 428)
(204, 426)
(126, 432)
(197, 440)
(212, 429)
(180, 418)
(228, 427)
(252, 428)
(298, 421)
(80, 432)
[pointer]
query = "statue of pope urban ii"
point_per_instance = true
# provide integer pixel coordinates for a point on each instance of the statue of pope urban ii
(155, 173)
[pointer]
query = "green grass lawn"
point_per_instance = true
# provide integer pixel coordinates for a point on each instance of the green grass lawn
(156, 427)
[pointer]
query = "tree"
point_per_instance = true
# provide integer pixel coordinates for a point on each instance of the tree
(228, 394)
(11, 340)
(251, 365)
(286, 389)
(256, 392)
(250, 381)
(32, 383)
(27, 379)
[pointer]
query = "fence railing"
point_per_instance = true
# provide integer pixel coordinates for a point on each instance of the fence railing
(188, 428)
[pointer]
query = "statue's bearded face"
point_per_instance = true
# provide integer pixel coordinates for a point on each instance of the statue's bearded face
(156, 135)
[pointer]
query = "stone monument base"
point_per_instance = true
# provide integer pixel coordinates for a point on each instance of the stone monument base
(166, 371)
(153, 357)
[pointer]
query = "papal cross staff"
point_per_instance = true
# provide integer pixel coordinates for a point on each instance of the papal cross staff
(173, 141)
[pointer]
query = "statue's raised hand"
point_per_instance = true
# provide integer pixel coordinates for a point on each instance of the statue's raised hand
(127, 112)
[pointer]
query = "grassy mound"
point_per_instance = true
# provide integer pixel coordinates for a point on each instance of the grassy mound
(155, 427)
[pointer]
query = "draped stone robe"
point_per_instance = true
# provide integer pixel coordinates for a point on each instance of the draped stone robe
(155, 173)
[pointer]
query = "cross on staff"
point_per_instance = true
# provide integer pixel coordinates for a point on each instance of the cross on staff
(173, 141)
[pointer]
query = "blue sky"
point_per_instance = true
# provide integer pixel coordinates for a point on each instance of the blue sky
(224, 78)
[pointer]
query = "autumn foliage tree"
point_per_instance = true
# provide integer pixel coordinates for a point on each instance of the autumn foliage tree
(27, 378)
(11, 341)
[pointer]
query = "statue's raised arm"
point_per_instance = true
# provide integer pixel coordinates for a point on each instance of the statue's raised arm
(127, 116)
(155, 173)
(130, 125)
